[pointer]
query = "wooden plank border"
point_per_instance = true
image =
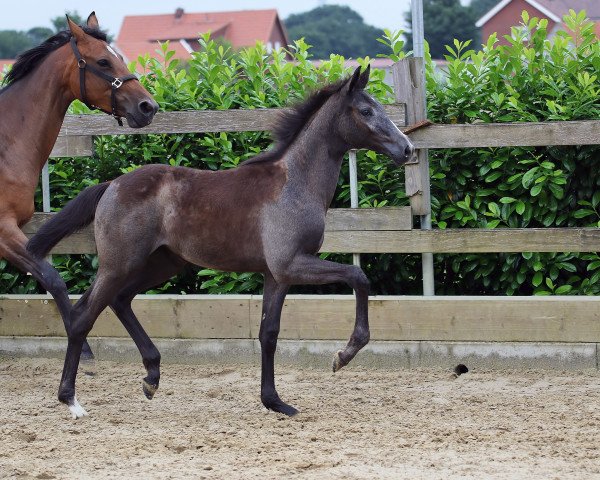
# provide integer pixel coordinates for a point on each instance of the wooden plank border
(331, 317)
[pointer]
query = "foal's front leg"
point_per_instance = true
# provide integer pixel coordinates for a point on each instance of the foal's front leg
(273, 298)
(308, 269)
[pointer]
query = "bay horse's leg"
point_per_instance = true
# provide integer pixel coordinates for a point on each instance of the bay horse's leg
(12, 247)
(273, 298)
(308, 269)
(161, 266)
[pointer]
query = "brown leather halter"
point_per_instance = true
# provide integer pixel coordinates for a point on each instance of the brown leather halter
(115, 82)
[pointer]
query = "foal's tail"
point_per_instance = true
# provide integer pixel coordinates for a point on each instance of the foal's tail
(76, 214)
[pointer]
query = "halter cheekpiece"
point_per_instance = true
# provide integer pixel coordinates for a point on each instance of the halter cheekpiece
(115, 82)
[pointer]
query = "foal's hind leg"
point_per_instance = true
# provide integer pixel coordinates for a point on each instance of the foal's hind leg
(12, 247)
(308, 269)
(273, 298)
(84, 315)
(119, 277)
(161, 266)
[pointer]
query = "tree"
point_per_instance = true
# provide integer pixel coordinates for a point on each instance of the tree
(13, 42)
(60, 22)
(335, 29)
(39, 34)
(444, 21)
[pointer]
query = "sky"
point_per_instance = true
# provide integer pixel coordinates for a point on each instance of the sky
(25, 14)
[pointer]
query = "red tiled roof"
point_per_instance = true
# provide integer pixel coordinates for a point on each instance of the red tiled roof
(551, 8)
(554, 9)
(132, 50)
(241, 28)
(164, 27)
(561, 7)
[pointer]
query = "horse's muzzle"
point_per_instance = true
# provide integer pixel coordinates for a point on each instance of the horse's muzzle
(400, 153)
(143, 113)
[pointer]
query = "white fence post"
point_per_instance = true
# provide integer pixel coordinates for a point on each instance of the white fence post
(45, 189)
(353, 194)
(46, 196)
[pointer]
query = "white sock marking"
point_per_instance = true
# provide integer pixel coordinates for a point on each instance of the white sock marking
(77, 411)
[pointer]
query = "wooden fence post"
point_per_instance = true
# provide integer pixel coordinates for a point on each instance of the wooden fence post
(409, 88)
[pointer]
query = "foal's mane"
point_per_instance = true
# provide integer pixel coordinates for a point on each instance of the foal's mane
(291, 121)
(28, 60)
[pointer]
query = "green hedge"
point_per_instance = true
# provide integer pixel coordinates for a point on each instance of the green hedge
(532, 79)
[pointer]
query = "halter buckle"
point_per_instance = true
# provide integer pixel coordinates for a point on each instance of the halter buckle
(117, 82)
(81, 63)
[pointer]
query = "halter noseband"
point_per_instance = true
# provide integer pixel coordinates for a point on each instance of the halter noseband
(115, 82)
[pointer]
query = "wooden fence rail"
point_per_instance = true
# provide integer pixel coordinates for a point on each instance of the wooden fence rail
(388, 230)
(76, 135)
(585, 132)
(368, 230)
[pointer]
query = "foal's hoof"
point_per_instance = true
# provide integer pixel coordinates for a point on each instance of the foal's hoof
(285, 409)
(87, 363)
(338, 362)
(86, 353)
(149, 388)
(277, 405)
(77, 411)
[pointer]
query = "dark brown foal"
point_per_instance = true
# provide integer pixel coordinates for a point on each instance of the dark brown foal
(267, 215)
(74, 64)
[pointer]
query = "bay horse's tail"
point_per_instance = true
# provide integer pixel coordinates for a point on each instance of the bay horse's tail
(76, 214)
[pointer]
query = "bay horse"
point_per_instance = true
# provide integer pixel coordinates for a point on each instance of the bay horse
(73, 64)
(267, 215)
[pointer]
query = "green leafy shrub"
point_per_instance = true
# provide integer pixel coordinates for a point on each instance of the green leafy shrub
(532, 79)
(216, 78)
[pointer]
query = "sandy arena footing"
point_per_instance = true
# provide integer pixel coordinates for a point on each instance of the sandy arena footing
(206, 421)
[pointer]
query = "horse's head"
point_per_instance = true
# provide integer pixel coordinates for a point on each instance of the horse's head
(366, 125)
(100, 78)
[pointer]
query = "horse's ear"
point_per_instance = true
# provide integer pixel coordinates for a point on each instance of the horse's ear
(364, 78)
(76, 30)
(351, 85)
(92, 21)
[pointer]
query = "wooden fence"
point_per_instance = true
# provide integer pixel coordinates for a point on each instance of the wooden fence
(386, 230)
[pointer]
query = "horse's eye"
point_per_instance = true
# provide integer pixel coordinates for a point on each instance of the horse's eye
(366, 112)
(103, 62)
